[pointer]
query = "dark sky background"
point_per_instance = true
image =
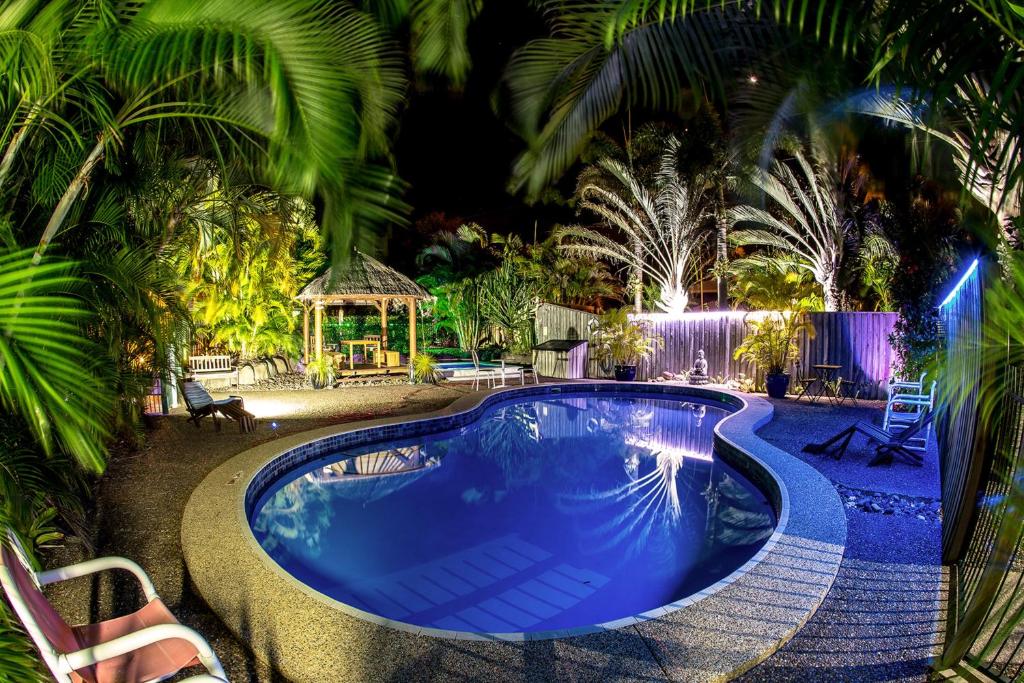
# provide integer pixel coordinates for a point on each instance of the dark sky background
(452, 148)
(456, 153)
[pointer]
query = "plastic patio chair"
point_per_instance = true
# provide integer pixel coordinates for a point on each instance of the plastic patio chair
(147, 645)
(905, 405)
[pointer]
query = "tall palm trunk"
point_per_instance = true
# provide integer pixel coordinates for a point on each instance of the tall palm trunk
(15, 144)
(636, 280)
(68, 200)
(722, 251)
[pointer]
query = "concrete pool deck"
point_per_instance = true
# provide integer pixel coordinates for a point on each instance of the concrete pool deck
(718, 633)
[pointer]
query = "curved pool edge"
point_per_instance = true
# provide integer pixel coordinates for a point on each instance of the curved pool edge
(711, 635)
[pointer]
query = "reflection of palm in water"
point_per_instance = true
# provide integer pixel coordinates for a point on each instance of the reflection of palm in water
(298, 512)
(650, 505)
(736, 517)
(509, 438)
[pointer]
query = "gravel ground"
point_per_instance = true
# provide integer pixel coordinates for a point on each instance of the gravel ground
(884, 614)
(798, 423)
(879, 622)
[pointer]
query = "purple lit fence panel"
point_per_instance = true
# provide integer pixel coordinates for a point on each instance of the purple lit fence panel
(859, 342)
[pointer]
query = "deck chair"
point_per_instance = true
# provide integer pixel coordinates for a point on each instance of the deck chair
(147, 645)
(199, 404)
(889, 443)
(525, 371)
(487, 374)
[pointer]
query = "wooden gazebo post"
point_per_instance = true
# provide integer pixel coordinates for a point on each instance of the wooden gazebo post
(305, 332)
(318, 326)
(411, 303)
(384, 324)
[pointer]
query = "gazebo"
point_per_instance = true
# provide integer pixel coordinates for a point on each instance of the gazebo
(364, 281)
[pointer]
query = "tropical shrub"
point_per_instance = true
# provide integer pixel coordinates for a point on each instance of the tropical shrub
(424, 369)
(774, 283)
(771, 343)
(509, 303)
(320, 372)
(617, 338)
(578, 281)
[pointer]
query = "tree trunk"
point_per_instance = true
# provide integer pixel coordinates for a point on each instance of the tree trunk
(638, 293)
(15, 144)
(722, 252)
(831, 295)
(68, 200)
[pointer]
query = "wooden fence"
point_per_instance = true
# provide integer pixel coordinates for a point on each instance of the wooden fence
(859, 342)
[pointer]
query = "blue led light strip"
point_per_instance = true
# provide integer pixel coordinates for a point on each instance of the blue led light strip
(970, 271)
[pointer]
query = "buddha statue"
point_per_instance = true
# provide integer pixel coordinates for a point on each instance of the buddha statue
(699, 374)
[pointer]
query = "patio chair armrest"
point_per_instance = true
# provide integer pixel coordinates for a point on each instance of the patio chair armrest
(100, 564)
(88, 656)
(909, 400)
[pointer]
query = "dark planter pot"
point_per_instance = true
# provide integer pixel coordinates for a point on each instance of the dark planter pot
(777, 384)
(625, 373)
(318, 382)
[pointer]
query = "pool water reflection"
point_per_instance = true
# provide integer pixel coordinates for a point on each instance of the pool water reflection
(543, 514)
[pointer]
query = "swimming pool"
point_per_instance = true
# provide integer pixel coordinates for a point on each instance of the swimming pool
(542, 514)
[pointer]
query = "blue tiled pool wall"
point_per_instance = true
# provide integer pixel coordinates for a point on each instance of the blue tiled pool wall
(309, 452)
(754, 472)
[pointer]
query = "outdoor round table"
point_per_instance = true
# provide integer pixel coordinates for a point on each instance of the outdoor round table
(826, 375)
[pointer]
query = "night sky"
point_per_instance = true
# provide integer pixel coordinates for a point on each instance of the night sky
(454, 150)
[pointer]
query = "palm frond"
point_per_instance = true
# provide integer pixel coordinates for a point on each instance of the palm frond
(48, 370)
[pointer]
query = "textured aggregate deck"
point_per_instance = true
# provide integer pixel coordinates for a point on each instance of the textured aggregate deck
(718, 635)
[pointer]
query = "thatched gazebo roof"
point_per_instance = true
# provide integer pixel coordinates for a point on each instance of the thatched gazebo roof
(362, 278)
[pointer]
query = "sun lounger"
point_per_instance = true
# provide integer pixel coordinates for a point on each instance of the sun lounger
(147, 645)
(889, 443)
(199, 404)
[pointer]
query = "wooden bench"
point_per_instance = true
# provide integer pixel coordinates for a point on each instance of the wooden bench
(212, 367)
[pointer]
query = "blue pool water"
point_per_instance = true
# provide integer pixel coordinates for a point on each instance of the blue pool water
(543, 514)
(465, 365)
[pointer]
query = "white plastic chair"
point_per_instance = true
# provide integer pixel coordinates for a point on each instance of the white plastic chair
(148, 645)
(907, 400)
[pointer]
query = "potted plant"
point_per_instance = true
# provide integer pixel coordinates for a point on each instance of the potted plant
(320, 372)
(771, 345)
(624, 342)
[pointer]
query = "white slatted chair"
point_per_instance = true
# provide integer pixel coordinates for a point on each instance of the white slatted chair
(147, 645)
(487, 374)
(907, 401)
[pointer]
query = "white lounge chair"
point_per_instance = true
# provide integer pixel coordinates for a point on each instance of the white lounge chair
(147, 645)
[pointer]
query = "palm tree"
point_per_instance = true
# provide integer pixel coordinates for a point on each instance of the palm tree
(812, 228)
(605, 57)
(662, 227)
(575, 281)
(986, 167)
(304, 92)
